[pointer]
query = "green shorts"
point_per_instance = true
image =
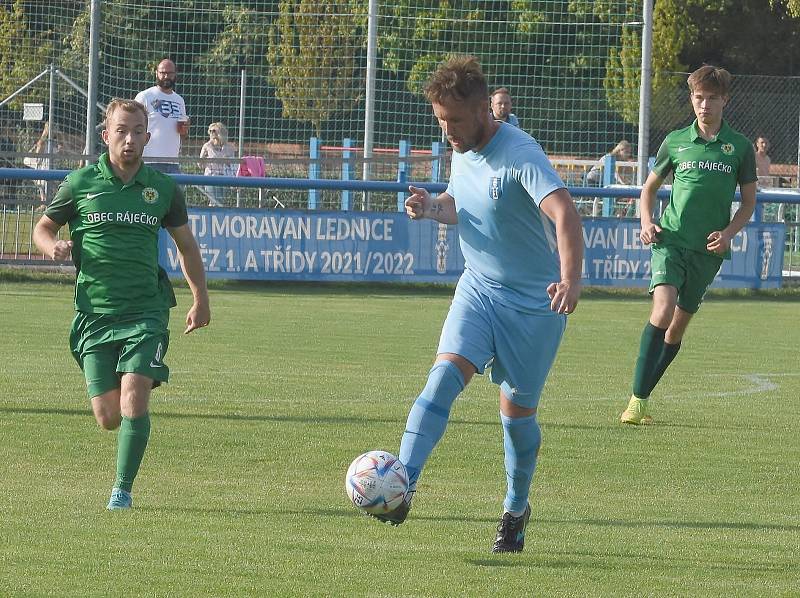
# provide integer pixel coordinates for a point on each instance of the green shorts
(107, 346)
(691, 272)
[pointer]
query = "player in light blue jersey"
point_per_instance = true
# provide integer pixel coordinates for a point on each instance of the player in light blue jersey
(522, 244)
(500, 102)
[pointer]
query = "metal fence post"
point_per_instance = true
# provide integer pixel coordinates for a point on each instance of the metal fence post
(313, 171)
(609, 176)
(93, 78)
(347, 173)
(403, 172)
(437, 150)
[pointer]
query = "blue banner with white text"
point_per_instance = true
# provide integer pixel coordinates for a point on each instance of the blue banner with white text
(320, 246)
(614, 255)
(388, 247)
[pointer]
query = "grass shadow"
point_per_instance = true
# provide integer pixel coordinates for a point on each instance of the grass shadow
(309, 419)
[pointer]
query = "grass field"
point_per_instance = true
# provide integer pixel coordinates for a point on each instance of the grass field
(241, 491)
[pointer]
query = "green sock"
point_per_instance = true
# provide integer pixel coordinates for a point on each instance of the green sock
(667, 355)
(131, 442)
(650, 348)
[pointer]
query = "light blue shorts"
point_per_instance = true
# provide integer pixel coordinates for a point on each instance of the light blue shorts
(519, 347)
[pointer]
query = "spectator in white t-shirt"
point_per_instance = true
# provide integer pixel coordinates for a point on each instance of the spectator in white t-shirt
(168, 122)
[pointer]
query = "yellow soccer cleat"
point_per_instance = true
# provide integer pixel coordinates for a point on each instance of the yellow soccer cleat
(636, 413)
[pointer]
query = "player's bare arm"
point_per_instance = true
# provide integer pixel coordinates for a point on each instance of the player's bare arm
(421, 205)
(649, 230)
(560, 208)
(45, 235)
(720, 241)
(199, 314)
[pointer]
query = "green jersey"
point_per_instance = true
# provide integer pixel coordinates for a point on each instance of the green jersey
(705, 177)
(114, 229)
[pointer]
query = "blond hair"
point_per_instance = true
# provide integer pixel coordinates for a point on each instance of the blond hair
(624, 146)
(131, 106)
(223, 130)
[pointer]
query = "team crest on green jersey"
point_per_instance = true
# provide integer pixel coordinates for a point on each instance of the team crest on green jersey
(727, 148)
(149, 195)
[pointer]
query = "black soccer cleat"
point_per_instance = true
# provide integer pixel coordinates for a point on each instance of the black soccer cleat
(511, 532)
(397, 515)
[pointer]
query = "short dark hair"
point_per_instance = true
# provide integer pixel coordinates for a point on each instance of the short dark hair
(459, 77)
(711, 77)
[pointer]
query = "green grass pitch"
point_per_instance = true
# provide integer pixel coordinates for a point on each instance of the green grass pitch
(241, 491)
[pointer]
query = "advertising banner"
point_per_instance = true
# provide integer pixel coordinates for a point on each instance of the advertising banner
(320, 246)
(614, 255)
(388, 247)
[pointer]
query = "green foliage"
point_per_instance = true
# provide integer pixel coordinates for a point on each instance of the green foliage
(687, 33)
(416, 36)
(576, 57)
(23, 53)
(623, 74)
(792, 6)
(314, 49)
(240, 44)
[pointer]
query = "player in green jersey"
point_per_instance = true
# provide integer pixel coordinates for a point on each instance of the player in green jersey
(708, 160)
(115, 209)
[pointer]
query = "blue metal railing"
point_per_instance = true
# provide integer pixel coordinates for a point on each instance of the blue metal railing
(762, 197)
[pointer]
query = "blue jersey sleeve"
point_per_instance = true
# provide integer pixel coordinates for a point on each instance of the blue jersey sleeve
(535, 173)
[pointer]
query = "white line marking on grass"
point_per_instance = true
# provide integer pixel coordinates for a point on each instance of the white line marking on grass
(759, 383)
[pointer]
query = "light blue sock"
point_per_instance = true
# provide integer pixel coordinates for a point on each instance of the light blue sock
(428, 417)
(522, 438)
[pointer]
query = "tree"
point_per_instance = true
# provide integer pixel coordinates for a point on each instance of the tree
(314, 55)
(688, 33)
(792, 6)
(22, 55)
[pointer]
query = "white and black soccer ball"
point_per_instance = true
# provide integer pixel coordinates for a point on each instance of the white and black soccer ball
(376, 482)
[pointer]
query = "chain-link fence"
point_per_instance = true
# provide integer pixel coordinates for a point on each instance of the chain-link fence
(278, 74)
(766, 106)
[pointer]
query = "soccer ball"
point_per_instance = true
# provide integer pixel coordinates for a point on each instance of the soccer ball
(376, 482)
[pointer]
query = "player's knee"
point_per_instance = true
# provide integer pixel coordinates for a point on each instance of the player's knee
(108, 421)
(515, 411)
(444, 380)
(106, 412)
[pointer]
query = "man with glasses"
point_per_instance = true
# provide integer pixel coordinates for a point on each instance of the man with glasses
(167, 118)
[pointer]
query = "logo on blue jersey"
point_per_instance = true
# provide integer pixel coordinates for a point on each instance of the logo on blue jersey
(495, 190)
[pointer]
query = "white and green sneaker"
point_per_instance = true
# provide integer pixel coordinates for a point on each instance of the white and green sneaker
(120, 500)
(636, 413)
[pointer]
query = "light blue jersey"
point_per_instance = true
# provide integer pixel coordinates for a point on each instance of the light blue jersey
(512, 119)
(508, 243)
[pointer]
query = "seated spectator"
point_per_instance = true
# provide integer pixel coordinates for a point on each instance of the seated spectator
(40, 147)
(8, 187)
(217, 146)
(621, 152)
(501, 107)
